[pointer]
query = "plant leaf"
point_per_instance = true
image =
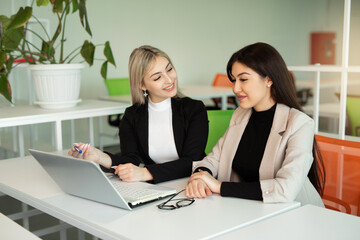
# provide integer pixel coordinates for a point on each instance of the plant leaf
(67, 7)
(48, 51)
(75, 5)
(108, 53)
(42, 2)
(1, 31)
(104, 69)
(57, 5)
(5, 88)
(21, 18)
(10, 38)
(88, 51)
(2, 60)
(83, 14)
(9, 64)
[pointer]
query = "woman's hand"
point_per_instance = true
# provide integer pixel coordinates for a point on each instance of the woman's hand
(130, 173)
(90, 153)
(197, 188)
(213, 184)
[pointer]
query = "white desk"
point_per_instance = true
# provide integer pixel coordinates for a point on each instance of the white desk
(33, 114)
(199, 92)
(25, 180)
(307, 222)
(10, 230)
(331, 110)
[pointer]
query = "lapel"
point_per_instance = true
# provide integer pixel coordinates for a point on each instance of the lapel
(143, 127)
(178, 124)
(232, 139)
(278, 128)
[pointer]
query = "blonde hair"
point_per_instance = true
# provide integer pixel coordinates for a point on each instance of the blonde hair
(139, 64)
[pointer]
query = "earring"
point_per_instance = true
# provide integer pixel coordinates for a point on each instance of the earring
(145, 93)
(268, 85)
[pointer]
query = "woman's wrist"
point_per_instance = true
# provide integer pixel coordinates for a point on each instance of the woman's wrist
(218, 190)
(147, 175)
(105, 160)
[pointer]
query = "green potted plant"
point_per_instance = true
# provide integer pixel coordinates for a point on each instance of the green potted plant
(50, 55)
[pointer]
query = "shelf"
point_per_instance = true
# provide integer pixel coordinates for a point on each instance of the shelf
(323, 68)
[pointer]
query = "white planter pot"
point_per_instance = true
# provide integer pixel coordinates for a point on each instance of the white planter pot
(57, 86)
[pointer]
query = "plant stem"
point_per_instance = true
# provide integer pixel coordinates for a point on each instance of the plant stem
(42, 26)
(63, 33)
(23, 46)
(73, 57)
(78, 53)
(23, 52)
(33, 32)
(75, 50)
(57, 32)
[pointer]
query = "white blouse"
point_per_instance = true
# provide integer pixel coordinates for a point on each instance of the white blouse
(161, 136)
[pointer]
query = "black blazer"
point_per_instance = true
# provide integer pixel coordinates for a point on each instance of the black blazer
(190, 127)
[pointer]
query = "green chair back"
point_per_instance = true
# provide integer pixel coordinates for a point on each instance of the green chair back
(118, 86)
(218, 123)
(353, 111)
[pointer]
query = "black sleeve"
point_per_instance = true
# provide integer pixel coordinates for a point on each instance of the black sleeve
(203, 169)
(247, 190)
(193, 146)
(129, 145)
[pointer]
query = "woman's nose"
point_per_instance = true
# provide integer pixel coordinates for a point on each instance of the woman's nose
(168, 78)
(237, 87)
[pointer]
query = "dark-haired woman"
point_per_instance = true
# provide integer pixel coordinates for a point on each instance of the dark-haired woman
(268, 152)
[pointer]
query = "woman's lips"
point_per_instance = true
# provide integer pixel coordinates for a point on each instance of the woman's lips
(240, 98)
(170, 88)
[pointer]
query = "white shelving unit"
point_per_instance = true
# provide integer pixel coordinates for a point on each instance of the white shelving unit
(344, 69)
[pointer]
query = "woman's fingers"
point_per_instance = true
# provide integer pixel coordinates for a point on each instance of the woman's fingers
(77, 150)
(86, 150)
(208, 192)
(198, 189)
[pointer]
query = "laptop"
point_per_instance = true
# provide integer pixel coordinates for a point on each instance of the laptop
(85, 179)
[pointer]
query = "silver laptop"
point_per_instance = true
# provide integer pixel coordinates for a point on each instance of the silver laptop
(85, 179)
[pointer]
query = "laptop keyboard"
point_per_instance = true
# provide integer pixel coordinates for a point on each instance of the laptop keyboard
(132, 193)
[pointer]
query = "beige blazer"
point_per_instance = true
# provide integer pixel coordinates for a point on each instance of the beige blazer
(287, 157)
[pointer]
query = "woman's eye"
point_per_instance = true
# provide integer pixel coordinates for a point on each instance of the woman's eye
(157, 78)
(169, 70)
(243, 79)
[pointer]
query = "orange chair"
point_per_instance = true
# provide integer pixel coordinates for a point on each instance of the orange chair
(336, 204)
(342, 166)
(222, 80)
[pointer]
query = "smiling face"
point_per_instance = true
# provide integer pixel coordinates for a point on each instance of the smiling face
(250, 88)
(161, 80)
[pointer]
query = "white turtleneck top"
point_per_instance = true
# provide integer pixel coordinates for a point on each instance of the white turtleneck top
(161, 136)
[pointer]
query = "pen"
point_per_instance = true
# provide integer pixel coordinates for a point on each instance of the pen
(77, 149)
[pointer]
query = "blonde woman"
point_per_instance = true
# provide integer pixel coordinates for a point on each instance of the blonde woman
(161, 130)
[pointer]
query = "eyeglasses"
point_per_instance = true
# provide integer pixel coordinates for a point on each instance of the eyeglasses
(181, 202)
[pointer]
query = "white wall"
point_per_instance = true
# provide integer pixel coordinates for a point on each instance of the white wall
(201, 35)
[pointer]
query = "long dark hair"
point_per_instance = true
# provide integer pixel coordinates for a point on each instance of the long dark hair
(267, 62)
